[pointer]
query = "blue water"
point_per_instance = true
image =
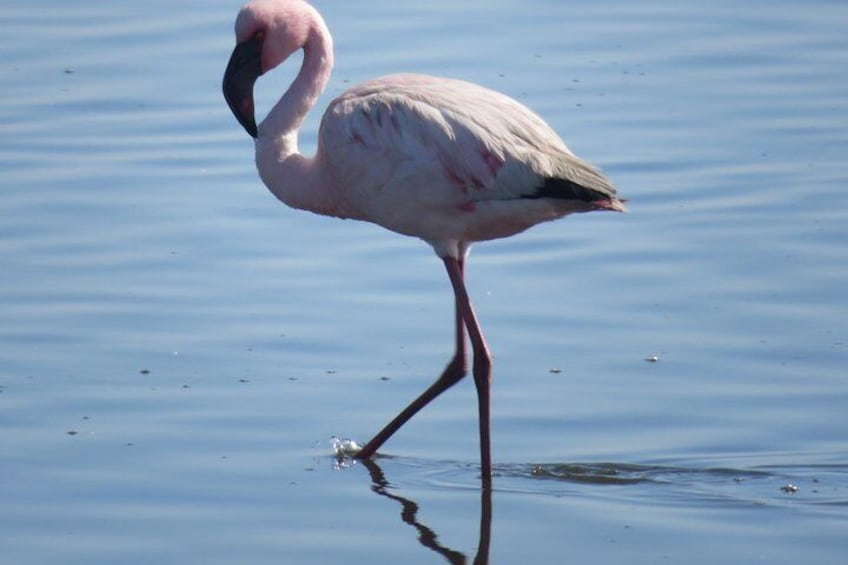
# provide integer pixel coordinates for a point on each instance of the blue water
(177, 348)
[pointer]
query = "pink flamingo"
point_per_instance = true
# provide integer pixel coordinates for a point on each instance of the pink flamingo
(440, 159)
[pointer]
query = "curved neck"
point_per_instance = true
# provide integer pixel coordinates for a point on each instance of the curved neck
(288, 113)
(295, 179)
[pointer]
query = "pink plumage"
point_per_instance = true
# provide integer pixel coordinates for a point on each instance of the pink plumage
(441, 159)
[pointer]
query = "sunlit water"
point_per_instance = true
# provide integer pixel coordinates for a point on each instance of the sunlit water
(177, 349)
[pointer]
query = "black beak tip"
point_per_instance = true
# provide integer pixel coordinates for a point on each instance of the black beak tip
(244, 68)
(248, 122)
(241, 105)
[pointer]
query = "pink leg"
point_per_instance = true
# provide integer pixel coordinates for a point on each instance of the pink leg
(452, 374)
(482, 366)
(465, 318)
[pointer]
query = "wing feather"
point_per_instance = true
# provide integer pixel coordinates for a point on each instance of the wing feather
(407, 145)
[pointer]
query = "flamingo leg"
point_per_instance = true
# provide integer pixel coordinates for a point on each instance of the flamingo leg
(453, 373)
(455, 370)
(482, 366)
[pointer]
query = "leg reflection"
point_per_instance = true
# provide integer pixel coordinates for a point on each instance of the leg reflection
(426, 536)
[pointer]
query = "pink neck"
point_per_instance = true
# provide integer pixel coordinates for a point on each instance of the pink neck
(286, 116)
(293, 178)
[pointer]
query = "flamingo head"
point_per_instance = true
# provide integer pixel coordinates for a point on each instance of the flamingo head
(267, 33)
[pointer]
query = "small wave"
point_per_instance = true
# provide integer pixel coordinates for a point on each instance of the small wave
(625, 473)
(761, 485)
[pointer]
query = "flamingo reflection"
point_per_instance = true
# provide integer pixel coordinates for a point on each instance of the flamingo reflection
(426, 535)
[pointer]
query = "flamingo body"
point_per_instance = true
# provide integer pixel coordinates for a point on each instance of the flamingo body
(440, 159)
(448, 161)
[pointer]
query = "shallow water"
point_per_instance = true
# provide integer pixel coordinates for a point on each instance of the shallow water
(177, 349)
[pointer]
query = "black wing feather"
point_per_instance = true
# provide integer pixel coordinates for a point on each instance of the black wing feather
(565, 189)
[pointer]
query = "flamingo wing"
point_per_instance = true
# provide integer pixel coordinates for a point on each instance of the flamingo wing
(435, 157)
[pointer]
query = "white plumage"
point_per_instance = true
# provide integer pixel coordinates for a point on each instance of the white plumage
(446, 160)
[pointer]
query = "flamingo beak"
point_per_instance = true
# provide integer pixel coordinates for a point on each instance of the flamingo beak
(244, 68)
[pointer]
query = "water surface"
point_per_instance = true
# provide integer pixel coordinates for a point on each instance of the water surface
(177, 348)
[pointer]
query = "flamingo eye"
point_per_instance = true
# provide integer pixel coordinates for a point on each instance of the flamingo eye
(259, 35)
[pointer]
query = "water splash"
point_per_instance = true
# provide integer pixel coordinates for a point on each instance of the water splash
(344, 450)
(344, 447)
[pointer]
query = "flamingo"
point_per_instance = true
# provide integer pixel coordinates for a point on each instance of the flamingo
(440, 159)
